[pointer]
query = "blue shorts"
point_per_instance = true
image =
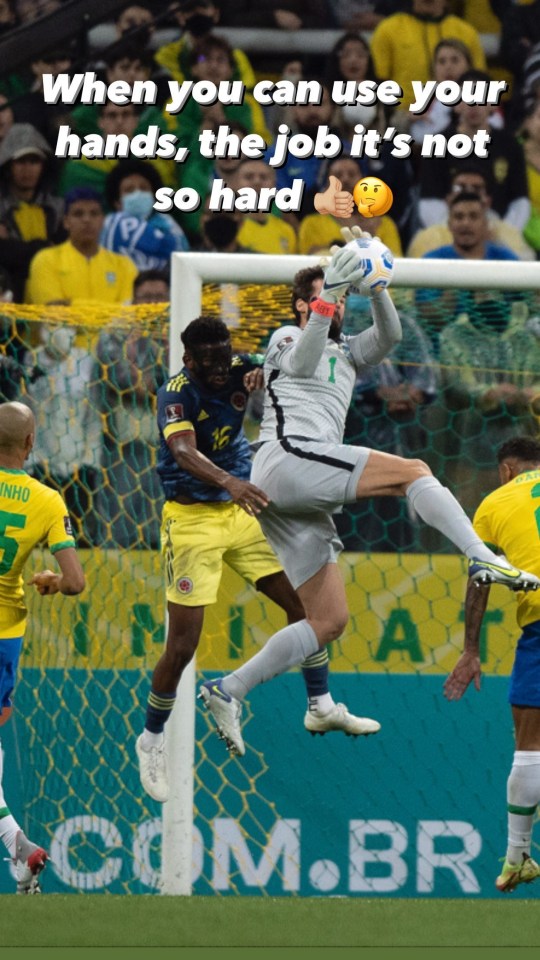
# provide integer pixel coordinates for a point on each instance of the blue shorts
(10, 651)
(525, 679)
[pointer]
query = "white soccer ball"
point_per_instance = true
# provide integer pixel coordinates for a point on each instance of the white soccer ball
(378, 262)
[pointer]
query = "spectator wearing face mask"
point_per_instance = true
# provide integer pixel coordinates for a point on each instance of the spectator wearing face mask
(134, 228)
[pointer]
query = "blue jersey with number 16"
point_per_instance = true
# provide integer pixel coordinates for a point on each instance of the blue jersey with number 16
(216, 418)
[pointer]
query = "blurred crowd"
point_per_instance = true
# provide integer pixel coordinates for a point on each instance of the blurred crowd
(85, 229)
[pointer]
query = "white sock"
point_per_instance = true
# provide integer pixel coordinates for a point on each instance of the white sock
(321, 705)
(440, 509)
(523, 795)
(9, 827)
(285, 649)
(150, 740)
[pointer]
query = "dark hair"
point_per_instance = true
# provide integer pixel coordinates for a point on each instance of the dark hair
(205, 46)
(332, 69)
(81, 193)
(474, 74)
(302, 288)
(127, 168)
(455, 44)
(146, 276)
(467, 196)
(205, 330)
(526, 449)
(472, 167)
(127, 49)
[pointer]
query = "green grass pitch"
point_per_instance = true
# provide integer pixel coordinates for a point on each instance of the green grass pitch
(139, 921)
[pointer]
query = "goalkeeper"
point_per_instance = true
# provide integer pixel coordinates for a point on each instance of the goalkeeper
(307, 473)
(209, 517)
(30, 513)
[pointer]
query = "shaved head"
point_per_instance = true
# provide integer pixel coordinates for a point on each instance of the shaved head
(16, 424)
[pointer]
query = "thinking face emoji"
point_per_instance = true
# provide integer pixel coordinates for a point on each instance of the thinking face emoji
(372, 197)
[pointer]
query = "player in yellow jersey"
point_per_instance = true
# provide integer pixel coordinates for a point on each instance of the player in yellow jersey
(509, 520)
(30, 513)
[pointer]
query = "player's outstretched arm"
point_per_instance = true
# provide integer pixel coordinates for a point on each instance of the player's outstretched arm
(70, 581)
(468, 667)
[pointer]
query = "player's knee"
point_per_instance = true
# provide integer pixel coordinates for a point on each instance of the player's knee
(331, 627)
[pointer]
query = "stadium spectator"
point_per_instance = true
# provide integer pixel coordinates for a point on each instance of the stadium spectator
(397, 172)
(355, 14)
(135, 229)
(306, 119)
(151, 286)
(131, 367)
(212, 59)
(125, 60)
(30, 106)
(469, 226)
(92, 172)
(199, 173)
(197, 19)
(30, 213)
(219, 232)
(531, 147)
(12, 346)
(490, 362)
(451, 59)
(207, 490)
(8, 16)
(403, 44)
(79, 268)
(504, 165)
(350, 59)
(277, 14)
(40, 517)
(66, 455)
(30, 10)
(136, 20)
(306, 472)
(520, 32)
(262, 232)
(6, 117)
(317, 232)
(507, 519)
(470, 177)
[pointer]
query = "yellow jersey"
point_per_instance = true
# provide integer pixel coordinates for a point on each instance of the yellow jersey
(62, 273)
(30, 514)
(509, 520)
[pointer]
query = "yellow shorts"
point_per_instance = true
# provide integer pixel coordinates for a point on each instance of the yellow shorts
(196, 539)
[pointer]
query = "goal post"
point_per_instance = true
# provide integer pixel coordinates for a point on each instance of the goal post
(189, 272)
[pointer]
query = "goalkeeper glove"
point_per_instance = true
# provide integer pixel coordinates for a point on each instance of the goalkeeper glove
(345, 268)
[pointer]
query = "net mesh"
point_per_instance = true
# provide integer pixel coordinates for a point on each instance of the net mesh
(450, 393)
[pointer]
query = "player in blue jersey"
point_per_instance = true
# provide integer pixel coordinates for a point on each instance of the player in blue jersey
(509, 518)
(209, 517)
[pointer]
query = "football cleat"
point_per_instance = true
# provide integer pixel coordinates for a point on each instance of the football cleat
(153, 771)
(513, 874)
(339, 718)
(226, 712)
(481, 571)
(29, 861)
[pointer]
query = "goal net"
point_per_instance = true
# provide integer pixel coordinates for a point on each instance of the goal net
(419, 809)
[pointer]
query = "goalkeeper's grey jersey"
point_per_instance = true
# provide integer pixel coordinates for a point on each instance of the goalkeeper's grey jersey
(309, 379)
(313, 406)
